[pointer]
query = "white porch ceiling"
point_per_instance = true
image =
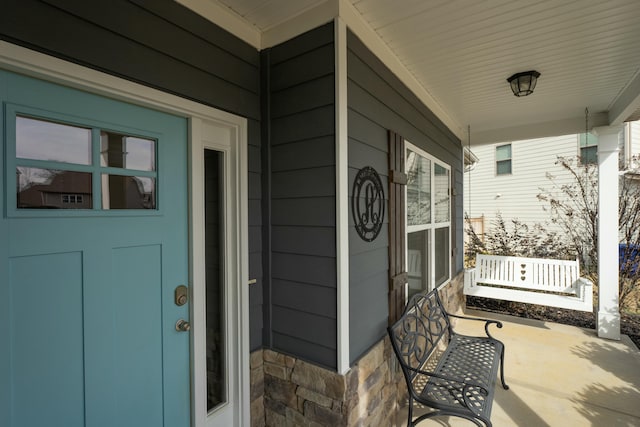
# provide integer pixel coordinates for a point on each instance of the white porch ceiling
(460, 52)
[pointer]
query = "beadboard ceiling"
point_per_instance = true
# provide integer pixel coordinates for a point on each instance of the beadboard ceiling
(460, 53)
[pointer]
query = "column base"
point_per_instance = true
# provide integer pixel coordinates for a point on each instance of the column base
(608, 325)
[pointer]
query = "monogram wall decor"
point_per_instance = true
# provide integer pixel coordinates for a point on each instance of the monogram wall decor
(367, 203)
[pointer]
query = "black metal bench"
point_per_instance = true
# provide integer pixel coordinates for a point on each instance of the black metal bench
(460, 378)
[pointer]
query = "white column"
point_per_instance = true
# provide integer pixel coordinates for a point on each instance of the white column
(608, 321)
(342, 194)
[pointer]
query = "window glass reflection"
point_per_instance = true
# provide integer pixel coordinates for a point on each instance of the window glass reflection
(128, 192)
(442, 198)
(418, 189)
(127, 152)
(44, 140)
(418, 261)
(214, 264)
(53, 189)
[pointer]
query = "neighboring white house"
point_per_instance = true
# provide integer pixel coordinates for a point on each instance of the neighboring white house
(508, 176)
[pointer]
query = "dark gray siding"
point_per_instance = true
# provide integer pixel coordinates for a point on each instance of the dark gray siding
(378, 101)
(302, 161)
(163, 45)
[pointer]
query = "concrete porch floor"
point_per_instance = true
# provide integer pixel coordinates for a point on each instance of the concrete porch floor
(558, 375)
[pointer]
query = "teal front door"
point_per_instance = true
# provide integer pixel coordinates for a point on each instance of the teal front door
(93, 244)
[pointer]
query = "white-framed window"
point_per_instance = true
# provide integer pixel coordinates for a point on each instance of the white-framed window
(588, 148)
(503, 159)
(428, 220)
(72, 198)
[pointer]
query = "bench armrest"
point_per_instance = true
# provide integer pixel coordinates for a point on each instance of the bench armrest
(487, 322)
(585, 281)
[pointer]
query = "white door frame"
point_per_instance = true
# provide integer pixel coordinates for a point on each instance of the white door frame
(208, 128)
(209, 135)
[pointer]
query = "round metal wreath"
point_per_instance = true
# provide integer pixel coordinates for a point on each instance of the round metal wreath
(367, 203)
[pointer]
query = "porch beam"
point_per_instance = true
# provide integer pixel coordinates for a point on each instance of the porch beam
(608, 320)
(627, 103)
(537, 130)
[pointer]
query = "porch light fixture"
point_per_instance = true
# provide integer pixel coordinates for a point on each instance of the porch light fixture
(522, 84)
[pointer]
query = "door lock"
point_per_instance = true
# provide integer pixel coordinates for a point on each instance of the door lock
(181, 295)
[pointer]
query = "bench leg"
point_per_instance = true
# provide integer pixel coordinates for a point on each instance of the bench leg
(504, 385)
(410, 412)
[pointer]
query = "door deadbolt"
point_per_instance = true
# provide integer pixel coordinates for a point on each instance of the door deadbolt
(181, 295)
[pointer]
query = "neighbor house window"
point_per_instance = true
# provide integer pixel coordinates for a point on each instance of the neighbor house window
(588, 148)
(503, 159)
(72, 198)
(428, 220)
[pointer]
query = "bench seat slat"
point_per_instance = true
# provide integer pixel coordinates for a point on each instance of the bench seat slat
(472, 359)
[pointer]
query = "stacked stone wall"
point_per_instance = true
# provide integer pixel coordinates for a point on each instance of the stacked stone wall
(256, 366)
(452, 295)
(298, 393)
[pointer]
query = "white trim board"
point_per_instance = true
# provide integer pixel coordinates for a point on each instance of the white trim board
(224, 131)
(342, 196)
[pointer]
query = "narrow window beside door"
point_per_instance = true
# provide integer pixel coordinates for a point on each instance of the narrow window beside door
(214, 273)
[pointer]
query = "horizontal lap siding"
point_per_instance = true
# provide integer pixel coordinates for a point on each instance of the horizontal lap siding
(514, 196)
(379, 102)
(162, 45)
(303, 235)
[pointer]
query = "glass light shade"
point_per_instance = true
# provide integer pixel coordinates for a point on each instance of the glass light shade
(523, 84)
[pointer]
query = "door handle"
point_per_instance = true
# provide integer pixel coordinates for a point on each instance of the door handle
(183, 326)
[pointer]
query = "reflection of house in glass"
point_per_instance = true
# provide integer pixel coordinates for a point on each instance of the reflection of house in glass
(128, 192)
(61, 190)
(50, 189)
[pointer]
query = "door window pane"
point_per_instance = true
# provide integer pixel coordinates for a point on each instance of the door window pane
(418, 189)
(52, 189)
(45, 140)
(128, 192)
(45, 150)
(127, 152)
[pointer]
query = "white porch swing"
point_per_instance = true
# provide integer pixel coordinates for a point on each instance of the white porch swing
(541, 281)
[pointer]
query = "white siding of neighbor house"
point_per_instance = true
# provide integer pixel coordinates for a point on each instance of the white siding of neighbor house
(514, 195)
